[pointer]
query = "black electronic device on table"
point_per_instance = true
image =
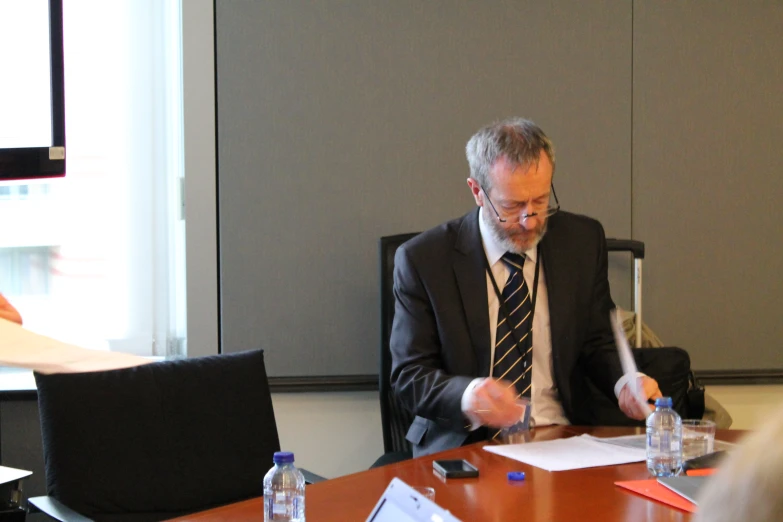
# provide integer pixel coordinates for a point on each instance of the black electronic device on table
(457, 468)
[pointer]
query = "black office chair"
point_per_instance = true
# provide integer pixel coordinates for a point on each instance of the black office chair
(395, 418)
(156, 441)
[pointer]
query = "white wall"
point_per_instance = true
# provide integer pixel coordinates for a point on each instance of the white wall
(335, 434)
(748, 405)
(331, 434)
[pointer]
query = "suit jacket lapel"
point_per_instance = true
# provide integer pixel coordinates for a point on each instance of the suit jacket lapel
(469, 269)
(557, 269)
(552, 262)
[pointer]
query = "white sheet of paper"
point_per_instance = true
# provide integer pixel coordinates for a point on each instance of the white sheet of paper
(22, 348)
(629, 441)
(572, 453)
(12, 474)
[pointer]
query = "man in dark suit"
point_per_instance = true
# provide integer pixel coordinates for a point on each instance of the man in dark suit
(509, 301)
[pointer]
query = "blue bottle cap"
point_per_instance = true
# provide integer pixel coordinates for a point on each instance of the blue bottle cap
(283, 457)
(665, 402)
(516, 475)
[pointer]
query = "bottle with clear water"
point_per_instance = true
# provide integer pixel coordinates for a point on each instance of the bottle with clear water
(664, 440)
(284, 490)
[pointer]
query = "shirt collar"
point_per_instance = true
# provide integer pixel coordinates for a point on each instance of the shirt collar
(495, 251)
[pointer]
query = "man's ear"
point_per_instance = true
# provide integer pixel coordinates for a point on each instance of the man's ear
(475, 190)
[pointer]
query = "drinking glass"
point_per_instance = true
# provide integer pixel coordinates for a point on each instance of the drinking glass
(520, 432)
(426, 492)
(698, 438)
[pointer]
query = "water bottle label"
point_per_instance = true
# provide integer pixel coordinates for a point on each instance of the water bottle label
(279, 505)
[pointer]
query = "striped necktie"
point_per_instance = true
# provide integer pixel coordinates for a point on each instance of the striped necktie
(514, 349)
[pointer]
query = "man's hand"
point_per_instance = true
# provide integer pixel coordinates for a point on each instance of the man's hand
(494, 403)
(648, 389)
(7, 311)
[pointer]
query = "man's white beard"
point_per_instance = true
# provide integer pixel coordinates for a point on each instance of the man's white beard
(502, 238)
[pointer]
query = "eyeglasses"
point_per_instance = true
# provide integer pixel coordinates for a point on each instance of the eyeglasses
(543, 214)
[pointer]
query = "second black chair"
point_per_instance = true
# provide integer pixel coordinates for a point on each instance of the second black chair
(156, 441)
(395, 418)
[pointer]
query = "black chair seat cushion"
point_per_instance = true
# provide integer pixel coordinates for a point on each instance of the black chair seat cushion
(393, 457)
(164, 438)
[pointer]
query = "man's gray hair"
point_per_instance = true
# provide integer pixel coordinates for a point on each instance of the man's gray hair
(518, 140)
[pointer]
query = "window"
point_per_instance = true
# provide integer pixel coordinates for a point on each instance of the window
(97, 258)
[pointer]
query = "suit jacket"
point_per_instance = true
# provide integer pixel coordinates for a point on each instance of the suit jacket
(440, 338)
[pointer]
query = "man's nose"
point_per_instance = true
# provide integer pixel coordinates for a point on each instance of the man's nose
(528, 221)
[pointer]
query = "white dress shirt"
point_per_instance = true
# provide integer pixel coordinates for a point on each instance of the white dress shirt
(544, 397)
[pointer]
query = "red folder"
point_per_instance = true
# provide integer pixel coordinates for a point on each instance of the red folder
(651, 489)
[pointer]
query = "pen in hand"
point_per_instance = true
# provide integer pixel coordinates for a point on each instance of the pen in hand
(626, 360)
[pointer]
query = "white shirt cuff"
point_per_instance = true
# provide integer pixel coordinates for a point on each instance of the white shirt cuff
(622, 381)
(467, 398)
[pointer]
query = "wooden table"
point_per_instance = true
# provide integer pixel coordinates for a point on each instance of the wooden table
(578, 495)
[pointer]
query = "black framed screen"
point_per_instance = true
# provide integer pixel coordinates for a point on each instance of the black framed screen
(32, 98)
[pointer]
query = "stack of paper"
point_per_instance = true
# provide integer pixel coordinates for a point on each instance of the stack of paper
(572, 453)
(640, 442)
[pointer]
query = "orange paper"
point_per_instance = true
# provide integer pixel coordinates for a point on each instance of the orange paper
(651, 489)
(700, 472)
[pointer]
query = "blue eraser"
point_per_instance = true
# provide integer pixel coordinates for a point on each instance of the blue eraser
(516, 475)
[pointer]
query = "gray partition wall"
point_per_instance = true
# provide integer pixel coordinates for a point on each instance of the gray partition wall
(342, 121)
(708, 176)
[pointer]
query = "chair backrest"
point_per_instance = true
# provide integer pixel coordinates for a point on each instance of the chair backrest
(158, 440)
(395, 418)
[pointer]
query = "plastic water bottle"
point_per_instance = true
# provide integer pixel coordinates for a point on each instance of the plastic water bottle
(664, 440)
(284, 490)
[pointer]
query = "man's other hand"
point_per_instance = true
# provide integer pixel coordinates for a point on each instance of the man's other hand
(648, 388)
(7, 311)
(494, 403)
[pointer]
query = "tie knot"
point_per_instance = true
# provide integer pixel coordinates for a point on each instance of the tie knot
(515, 261)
